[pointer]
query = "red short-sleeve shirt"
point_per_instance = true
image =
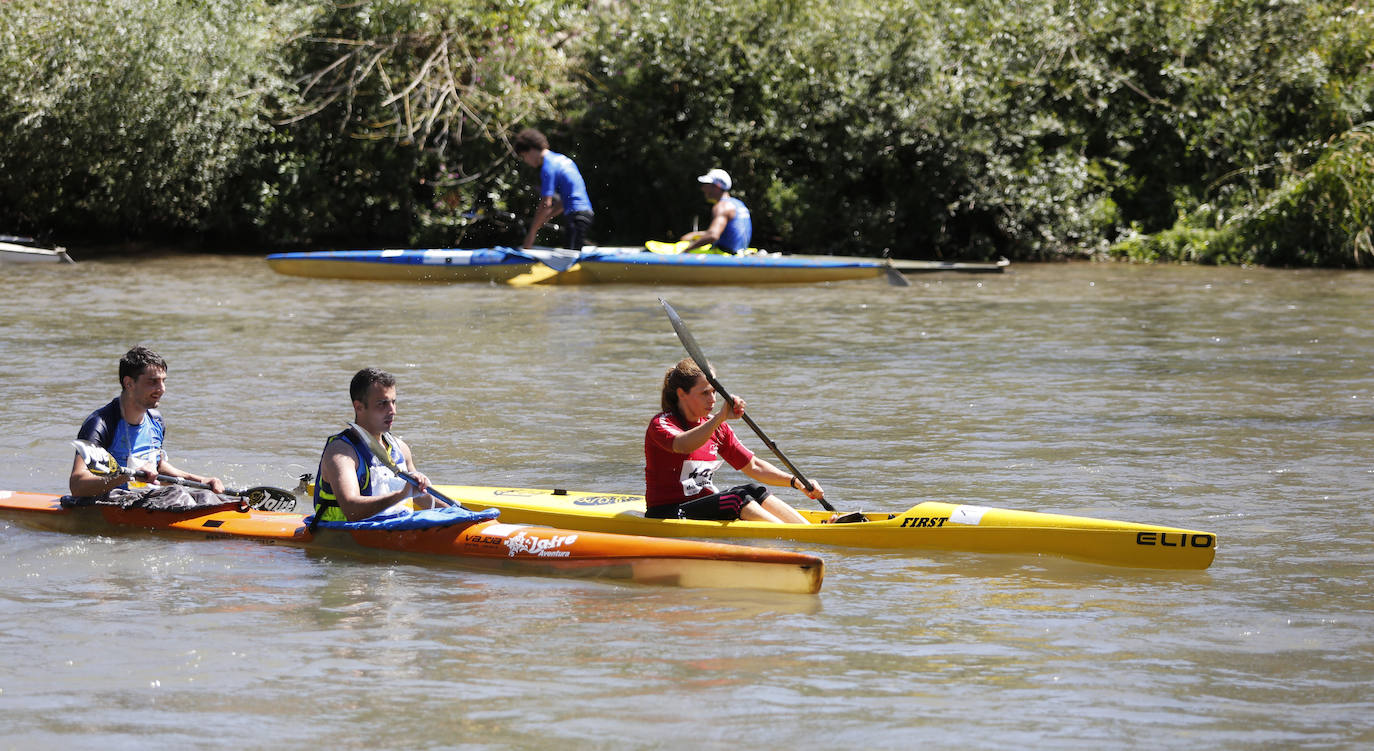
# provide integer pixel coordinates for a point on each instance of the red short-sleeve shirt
(670, 477)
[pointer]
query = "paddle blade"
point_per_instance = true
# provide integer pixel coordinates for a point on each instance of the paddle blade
(558, 259)
(383, 455)
(662, 248)
(96, 459)
(689, 343)
(536, 275)
(268, 499)
(895, 277)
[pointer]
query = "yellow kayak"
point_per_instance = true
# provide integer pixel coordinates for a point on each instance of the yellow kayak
(926, 526)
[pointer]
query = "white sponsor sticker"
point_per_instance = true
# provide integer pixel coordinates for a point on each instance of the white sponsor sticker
(968, 515)
(447, 258)
(539, 547)
(5, 494)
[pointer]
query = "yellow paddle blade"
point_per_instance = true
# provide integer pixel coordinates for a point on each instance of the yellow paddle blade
(538, 274)
(668, 249)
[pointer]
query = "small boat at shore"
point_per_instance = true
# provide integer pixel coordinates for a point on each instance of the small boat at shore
(22, 250)
(599, 265)
(487, 544)
(930, 525)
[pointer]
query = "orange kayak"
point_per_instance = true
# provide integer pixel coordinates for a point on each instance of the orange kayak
(486, 544)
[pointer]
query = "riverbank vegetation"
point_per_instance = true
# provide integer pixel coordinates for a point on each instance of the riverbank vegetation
(1215, 131)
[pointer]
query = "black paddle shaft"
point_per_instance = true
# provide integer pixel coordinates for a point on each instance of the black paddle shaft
(690, 344)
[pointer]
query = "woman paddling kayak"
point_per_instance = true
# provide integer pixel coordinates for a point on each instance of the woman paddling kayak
(683, 447)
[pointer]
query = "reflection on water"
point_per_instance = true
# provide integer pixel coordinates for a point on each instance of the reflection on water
(1232, 400)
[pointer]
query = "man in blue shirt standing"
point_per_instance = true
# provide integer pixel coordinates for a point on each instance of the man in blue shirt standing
(561, 189)
(130, 428)
(731, 228)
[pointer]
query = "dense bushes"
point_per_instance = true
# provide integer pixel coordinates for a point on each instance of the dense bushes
(850, 127)
(1272, 164)
(1321, 216)
(130, 116)
(265, 122)
(1203, 130)
(958, 128)
(406, 107)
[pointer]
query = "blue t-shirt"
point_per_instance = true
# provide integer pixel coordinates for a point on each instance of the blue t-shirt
(739, 231)
(132, 446)
(560, 175)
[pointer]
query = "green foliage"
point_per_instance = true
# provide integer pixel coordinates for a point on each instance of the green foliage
(852, 128)
(1323, 217)
(958, 128)
(406, 108)
(1181, 243)
(122, 117)
(1198, 130)
(1216, 97)
(267, 122)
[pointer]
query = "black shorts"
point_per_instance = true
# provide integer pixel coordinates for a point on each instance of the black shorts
(720, 507)
(575, 226)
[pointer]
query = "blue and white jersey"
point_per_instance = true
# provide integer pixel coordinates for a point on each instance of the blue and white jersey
(560, 175)
(133, 446)
(739, 231)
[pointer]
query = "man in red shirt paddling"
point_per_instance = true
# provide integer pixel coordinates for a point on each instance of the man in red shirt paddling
(683, 447)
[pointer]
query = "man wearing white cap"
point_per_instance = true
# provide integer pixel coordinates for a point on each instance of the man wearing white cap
(731, 228)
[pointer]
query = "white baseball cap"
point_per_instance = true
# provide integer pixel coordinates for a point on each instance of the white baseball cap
(717, 177)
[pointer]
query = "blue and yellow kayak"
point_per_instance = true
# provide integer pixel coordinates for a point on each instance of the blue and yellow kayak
(592, 266)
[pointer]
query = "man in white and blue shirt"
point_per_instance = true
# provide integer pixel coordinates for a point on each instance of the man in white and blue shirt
(731, 228)
(130, 427)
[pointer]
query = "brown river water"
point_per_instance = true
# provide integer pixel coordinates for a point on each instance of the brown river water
(1236, 401)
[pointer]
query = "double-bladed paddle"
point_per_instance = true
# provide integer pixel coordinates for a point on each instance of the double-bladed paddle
(690, 344)
(558, 259)
(265, 498)
(550, 262)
